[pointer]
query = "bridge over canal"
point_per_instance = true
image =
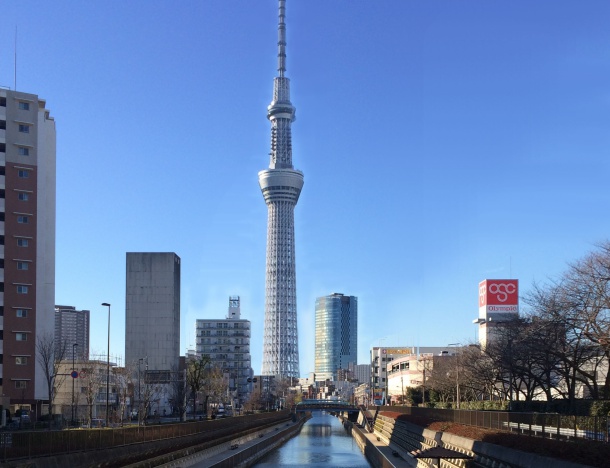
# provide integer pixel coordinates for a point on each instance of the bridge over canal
(337, 406)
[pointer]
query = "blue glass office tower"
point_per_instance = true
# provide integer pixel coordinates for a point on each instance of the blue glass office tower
(336, 334)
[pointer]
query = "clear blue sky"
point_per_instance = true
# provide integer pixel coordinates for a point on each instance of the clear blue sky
(442, 143)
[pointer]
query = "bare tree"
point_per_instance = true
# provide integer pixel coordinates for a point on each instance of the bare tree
(442, 378)
(215, 385)
(123, 378)
(559, 317)
(49, 354)
(94, 379)
(178, 390)
(255, 401)
(195, 378)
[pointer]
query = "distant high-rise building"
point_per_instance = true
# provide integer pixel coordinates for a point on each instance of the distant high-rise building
(281, 185)
(227, 344)
(336, 335)
(27, 210)
(361, 372)
(72, 328)
(152, 311)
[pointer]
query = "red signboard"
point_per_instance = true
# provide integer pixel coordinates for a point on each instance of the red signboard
(499, 292)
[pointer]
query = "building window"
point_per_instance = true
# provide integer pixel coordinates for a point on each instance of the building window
(21, 313)
(23, 174)
(23, 151)
(24, 128)
(21, 336)
(22, 242)
(21, 384)
(23, 196)
(23, 266)
(23, 219)
(24, 105)
(22, 289)
(21, 360)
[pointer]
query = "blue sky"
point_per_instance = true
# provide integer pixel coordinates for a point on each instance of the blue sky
(442, 143)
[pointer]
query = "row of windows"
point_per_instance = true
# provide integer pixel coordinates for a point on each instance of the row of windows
(23, 150)
(20, 266)
(20, 242)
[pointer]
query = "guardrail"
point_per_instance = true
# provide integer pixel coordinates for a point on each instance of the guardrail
(31, 444)
(549, 425)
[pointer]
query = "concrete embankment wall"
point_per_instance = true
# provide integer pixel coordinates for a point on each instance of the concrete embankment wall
(139, 454)
(403, 437)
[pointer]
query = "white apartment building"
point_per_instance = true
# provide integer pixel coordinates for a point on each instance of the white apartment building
(227, 343)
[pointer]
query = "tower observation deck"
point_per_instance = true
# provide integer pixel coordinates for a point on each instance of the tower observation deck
(281, 185)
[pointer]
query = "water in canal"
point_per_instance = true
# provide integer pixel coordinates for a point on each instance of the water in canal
(322, 441)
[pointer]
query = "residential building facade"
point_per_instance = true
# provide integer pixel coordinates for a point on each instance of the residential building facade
(380, 357)
(84, 397)
(227, 344)
(27, 242)
(336, 345)
(412, 371)
(72, 331)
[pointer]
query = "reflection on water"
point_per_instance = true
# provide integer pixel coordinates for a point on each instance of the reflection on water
(322, 441)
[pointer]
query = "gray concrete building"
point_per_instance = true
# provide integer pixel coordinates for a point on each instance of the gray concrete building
(72, 331)
(27, 243)
(152, 311)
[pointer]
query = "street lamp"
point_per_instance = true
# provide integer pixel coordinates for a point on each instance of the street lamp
(105, 304)
(457, 373)
(73, 379)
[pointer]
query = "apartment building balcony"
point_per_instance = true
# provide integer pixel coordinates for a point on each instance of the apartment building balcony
(245, 333)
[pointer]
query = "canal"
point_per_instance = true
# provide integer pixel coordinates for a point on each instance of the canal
(322, 441)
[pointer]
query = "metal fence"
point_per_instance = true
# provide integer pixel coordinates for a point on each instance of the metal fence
(31, 444)
(549, 425)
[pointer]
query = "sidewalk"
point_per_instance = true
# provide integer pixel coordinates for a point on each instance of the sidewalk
(395, 456)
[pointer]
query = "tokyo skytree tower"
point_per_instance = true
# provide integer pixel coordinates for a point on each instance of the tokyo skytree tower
(281, 185)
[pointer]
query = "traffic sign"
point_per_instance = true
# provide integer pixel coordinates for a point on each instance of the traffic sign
(74, 374)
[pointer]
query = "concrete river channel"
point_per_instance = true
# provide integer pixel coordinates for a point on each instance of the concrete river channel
(321, 442)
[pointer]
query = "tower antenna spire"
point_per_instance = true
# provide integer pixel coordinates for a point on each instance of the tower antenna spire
(281, 185)
(281, 39)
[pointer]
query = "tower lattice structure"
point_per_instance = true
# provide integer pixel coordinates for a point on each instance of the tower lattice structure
(281, 185)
